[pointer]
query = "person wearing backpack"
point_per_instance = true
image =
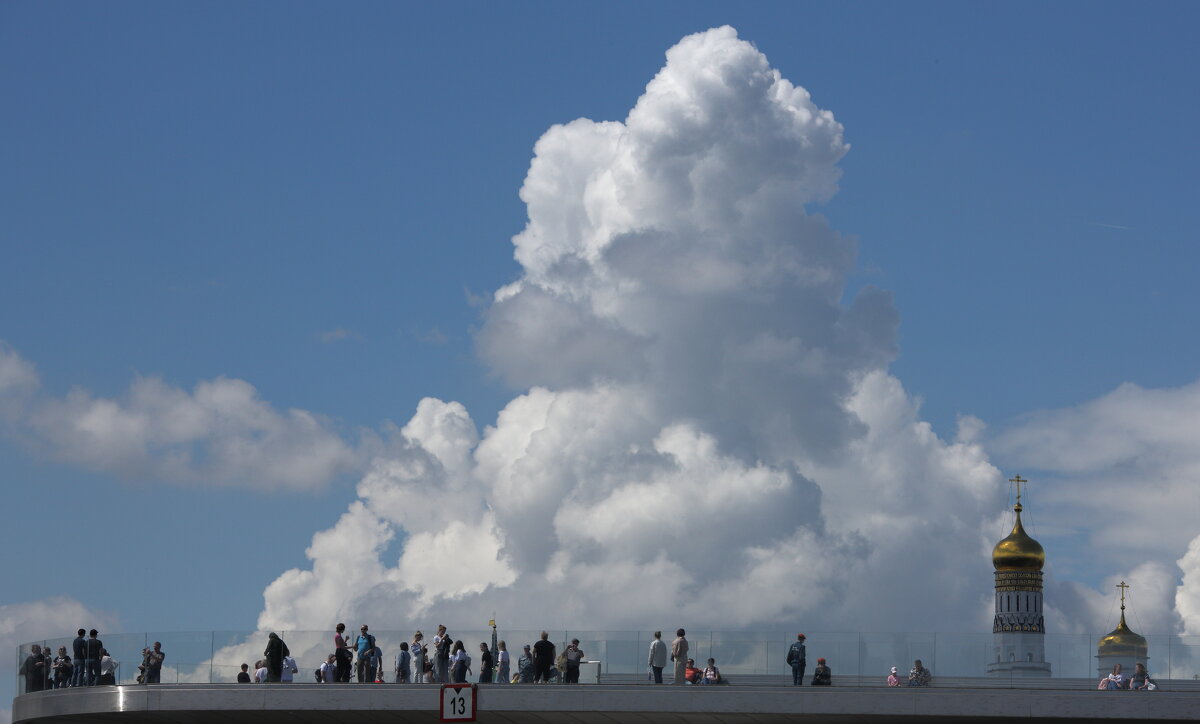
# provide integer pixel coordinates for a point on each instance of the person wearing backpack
(365, 644)
(796, 658)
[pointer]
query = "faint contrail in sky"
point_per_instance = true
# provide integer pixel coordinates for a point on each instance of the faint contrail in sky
(1110, 226)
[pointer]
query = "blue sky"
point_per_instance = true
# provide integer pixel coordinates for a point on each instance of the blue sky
(319, 199)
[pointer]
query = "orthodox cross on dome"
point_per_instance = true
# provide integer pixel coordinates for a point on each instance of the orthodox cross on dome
(1018, 480)
(1122, 585)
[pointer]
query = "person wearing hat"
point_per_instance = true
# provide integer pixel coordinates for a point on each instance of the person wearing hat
(525, 666)
(796, 658)
(822, 676)
(894, 677)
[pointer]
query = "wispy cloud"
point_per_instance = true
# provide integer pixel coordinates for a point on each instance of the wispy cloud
(338, 335)
(433, 336)
(1110, 226)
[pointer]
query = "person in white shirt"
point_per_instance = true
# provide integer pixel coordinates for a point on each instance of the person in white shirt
(329, 670)
(260, 672)
(502, 663)
(108, 668)
(289, 668)
(657, 660)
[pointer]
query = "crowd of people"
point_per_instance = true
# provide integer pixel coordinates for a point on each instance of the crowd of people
(88, 664)
(445, 660)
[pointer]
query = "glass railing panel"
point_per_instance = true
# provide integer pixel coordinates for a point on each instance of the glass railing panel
(959, 654)
(611, 648)
(879, 652)
(188, 655)
(202, 657)
(1183, 659)
(747, 653)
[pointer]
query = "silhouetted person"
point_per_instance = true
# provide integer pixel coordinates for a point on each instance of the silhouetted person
(543, 658)
(273, 657)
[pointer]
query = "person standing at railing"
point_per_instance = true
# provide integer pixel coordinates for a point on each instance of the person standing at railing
(919, 676)
(273, 657)
(441, 650)
(365, 644)
(502, 663)
(34, 670)
(526, 669)
(679, 652)
(79, 673)
(342, 654)
(108, 669)
(417, 650)
(61, 667)
(403, 664)
(154, 664)
(91, 652)
(574, 655)
(543, 659)
(657, 660)
(290, 669)
(797, 659)
(243, 676)
(893, 678)
(486, 663)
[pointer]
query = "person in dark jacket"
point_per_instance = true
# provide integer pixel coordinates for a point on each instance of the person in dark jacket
(276, 650)
(822, 675)
(91, 651)
(543, 658)
(62, 669)
(79, 673)
(34, 670)
(797, 658)
(486, 662)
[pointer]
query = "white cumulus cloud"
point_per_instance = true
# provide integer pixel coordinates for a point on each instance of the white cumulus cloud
(708, 435)
(49, 618)
(219, 433)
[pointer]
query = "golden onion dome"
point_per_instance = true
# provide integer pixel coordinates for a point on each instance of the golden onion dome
(1018, 552)
(1123, 641)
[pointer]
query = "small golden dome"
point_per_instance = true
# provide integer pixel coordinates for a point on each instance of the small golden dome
(1018, 552)
(1122, 641)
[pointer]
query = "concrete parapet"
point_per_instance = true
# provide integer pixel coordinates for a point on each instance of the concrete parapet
(365, 703)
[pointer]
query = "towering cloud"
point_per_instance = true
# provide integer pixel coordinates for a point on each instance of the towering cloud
(709, 433)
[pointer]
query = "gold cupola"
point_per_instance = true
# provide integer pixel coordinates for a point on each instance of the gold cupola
(1122, 641)
(1018, 552)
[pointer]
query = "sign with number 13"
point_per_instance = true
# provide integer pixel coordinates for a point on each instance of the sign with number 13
(458, 702)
